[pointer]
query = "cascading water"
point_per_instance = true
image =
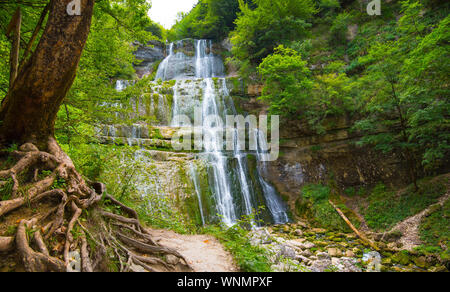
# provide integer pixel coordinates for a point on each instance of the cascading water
(229, 173)
(276, 206)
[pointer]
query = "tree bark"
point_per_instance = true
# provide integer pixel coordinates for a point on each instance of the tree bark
(29, 110)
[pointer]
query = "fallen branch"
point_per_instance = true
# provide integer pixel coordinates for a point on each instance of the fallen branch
(360, 235)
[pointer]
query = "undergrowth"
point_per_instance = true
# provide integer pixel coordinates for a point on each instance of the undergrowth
(387, 207)
(250, 258)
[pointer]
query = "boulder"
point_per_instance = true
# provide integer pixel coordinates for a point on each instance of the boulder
(334, 252)
(373, 261)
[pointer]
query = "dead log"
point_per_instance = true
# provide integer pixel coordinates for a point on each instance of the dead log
(358, 233)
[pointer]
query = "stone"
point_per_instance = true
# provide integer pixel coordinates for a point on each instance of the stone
(303, 260)
(346, 265)
(298, 232)
(260, 236)
(421, 262)
(334, 252)
(321, 243)
(306, 253)
(386, 261)
(401, 258)
(349, 254)
(308, 245)
(439, 269)
(288, 252)
(320, 265)
(322, 255)
(319, 230)
(302, 224)
(373, 261)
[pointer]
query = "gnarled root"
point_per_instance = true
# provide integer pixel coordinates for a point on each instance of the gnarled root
(122, 235)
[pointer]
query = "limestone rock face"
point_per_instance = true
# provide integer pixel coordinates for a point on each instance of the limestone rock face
(310, 158)
(149, 55)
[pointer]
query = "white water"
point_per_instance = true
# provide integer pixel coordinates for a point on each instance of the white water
(276, 206)
(215, 100)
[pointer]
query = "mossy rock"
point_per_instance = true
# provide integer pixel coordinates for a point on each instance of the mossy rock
(421, 262)
(401, 258)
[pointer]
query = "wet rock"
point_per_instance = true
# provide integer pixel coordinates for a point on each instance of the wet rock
(373, 261)
(401, 258)
(421, 262)
(439, 269)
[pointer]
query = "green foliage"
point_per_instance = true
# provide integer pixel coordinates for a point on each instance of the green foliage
(387, 207)
(339, 29)
(209, 19)
(434, 229)
(108, 56)
(292, 92)
(287, 83)
(405, 88)
(272, 23)
(250, 258)
(6, 190)
(117, 167)
(314, 205)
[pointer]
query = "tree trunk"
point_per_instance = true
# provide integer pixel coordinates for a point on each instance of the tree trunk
(29, 110)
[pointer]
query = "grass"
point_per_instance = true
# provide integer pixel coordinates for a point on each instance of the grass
(314, 206)
(235, 239)
(387, 207)
(434, 229)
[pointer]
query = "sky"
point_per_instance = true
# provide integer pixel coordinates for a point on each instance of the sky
(165, 11)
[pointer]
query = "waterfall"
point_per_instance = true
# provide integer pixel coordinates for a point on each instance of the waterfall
(230, 181)
(276, 206)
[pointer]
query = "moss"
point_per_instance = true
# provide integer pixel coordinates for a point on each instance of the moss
(155, 133)
(314, 205)
(388, 207)
(434, 229)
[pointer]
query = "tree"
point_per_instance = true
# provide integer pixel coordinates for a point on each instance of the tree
(406, 92)
(272, 23)
(209, 19)
(287, 83)
(39, 169)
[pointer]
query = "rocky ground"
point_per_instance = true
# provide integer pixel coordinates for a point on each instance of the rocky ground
(299, 247)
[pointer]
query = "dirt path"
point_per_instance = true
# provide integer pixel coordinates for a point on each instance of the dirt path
(204, 252)
(410, 227)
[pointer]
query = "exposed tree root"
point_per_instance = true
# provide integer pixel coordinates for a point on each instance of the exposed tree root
(74, 246)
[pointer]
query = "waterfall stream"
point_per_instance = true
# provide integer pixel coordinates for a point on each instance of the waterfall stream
(200, 82)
